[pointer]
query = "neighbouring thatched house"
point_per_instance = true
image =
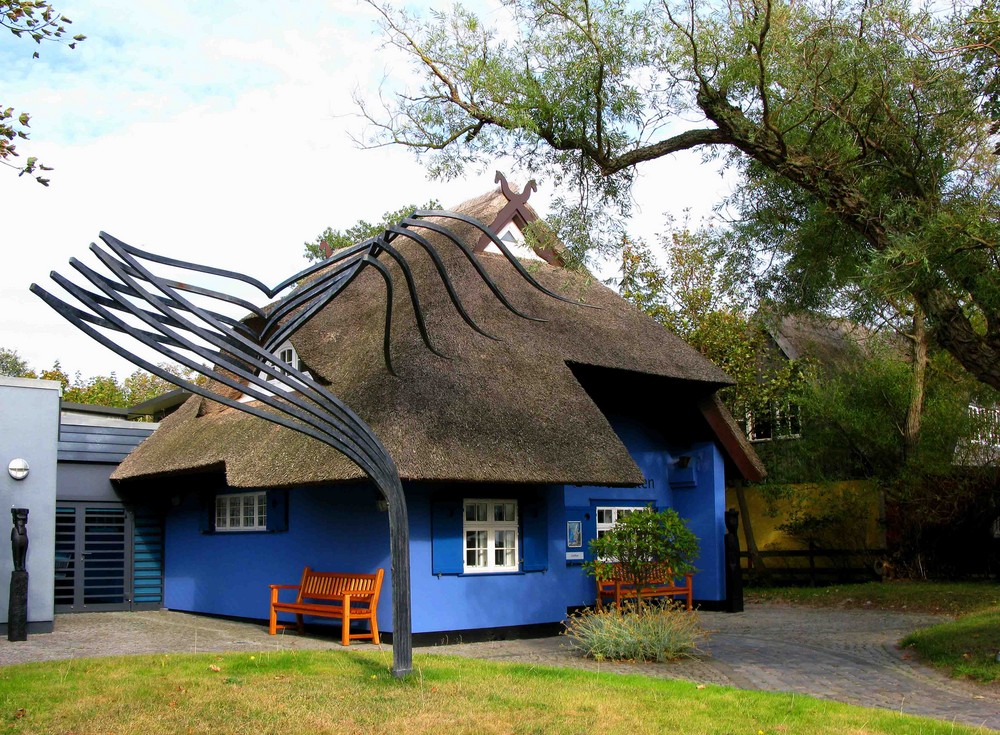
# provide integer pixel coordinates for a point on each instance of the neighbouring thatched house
(514, 453)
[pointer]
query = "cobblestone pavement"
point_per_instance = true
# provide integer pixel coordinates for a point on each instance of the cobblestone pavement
(843, 655)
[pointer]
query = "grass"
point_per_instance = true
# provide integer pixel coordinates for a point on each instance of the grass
(967, 647)
(338, 692)
(943, 598)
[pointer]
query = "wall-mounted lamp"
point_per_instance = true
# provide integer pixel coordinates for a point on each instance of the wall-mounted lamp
(18, 468)
(683, 461)
(382, 505)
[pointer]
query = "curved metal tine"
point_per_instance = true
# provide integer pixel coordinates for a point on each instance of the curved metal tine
(186, 265)
(411, 286)
(107, 324)
(332, 439)
(297, 298)
(318, 266)
(349, 272)
(503, 248)
(313, 415)
(443, 273)
(435, 227)
(387, 336)
(249, 351)
(235, 323)
(181, 286)
(109, 286)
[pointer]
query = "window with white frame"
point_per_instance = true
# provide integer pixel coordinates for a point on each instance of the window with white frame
(985, 425)
(241, 512)
(608, 516)
(779, 421)
(490, 535)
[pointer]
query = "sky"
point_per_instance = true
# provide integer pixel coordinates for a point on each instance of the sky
(219, 132)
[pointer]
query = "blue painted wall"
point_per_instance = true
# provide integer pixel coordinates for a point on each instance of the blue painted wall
(340, 528)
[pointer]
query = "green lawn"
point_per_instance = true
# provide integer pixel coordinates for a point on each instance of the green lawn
(946, 598)
(350, 692)
(967, 646)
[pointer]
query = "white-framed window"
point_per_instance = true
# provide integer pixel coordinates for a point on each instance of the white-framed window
(241, 512)
(608, 516)
(779, 421)
(490, 528)
(986, 425)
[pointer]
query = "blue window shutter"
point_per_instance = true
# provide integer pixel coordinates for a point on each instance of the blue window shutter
(206, 521)
(447, 547)
(277, 510)
(535, 536)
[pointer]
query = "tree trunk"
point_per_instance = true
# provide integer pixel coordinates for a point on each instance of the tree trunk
(756, 561)
(918, 367)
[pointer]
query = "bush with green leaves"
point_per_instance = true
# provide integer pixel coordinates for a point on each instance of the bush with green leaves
(645, 632)
(641, 545)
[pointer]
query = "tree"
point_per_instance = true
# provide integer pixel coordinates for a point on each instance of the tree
(13, 365)
(330, 240)
(100, 390)
(700, 299)
(39, 21)
(884, 138)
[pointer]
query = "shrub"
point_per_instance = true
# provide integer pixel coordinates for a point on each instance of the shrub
(643, 544)
(635, 633)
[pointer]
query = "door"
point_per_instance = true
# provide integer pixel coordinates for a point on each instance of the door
(93, 557)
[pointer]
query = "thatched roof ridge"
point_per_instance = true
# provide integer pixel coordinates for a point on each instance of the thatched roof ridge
(499, 411)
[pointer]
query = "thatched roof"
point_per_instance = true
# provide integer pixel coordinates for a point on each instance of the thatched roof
(831, 343)
(500, 412)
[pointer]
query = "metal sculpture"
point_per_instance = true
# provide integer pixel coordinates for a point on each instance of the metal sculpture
(168, 316)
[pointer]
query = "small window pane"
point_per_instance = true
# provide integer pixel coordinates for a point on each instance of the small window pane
(234, 512)
(475, 512)
(262, 510)
(605, 515)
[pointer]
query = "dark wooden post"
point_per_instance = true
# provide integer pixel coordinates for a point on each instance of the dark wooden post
(734, 573)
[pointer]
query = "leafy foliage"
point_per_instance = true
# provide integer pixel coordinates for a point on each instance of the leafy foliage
(643, 544)
(883, 138)
(331, 240)
(39, 21)
(99, 390)
(13, 365)
(699, 297)
(641, 633)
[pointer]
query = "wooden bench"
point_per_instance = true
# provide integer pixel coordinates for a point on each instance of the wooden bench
(619, 588)
(332, 595)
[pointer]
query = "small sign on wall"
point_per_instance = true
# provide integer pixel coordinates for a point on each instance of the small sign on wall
(574, 556)
(574, 534)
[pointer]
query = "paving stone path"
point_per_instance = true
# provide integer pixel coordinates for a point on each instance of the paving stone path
(843, 655)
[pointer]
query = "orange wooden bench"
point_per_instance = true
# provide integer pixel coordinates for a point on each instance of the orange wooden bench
(332, 595)
(620, 588)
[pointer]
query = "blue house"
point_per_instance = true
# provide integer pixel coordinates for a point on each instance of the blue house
(513, 454)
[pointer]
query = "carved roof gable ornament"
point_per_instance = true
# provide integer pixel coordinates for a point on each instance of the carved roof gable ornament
(517, 212)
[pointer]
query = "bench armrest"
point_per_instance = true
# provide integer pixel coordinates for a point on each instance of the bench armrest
(284, 586)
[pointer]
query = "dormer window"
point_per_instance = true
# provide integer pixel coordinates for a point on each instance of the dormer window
(288, 360)
(289, 356)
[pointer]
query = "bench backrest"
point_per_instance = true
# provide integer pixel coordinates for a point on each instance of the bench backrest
(662, 575)
(330, 585)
